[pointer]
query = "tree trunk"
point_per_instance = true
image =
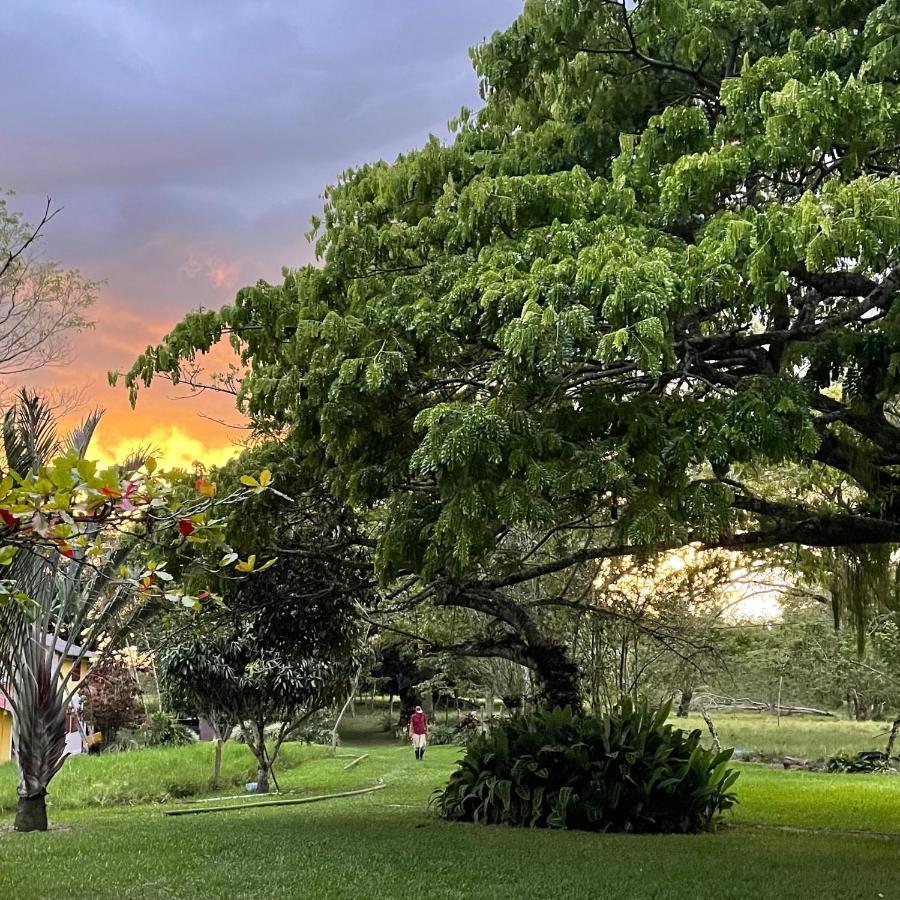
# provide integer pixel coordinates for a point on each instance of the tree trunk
(556, 675)
(684, 705)
(262, 776)
(217, 764)
(892, 738)
(337, 722)
(31, 813)
(716, 746)
(489, 709)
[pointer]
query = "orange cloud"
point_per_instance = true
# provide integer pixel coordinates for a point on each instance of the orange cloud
(181, 427)
(218, 272)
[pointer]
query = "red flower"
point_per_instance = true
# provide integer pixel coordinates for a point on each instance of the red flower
(8, 518)
(109, 492)
(67, 552)
(186, 527)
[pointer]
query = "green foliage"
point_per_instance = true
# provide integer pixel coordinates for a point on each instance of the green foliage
(642, 263)
(627, 771)
(317, 730)
(864, 762)
(439, 735)
(161, 729)
(283, 643)
(282, 648)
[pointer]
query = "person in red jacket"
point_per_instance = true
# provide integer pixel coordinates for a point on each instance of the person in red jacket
(418, 731)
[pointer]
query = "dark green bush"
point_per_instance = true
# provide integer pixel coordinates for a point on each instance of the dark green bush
(626, 771)
(861, 763)
(161, 729)
(442, 734)
(316, 730)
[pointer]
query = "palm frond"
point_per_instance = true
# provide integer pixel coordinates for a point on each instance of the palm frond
(80, 437)
(29, 433)
(135, 460)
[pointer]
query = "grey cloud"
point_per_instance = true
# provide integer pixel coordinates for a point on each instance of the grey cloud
(171, 127)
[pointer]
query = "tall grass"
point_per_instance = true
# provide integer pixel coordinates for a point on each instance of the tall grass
(811, 737)
(152, 775)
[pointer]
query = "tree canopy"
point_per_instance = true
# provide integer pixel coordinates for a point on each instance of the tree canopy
(659, 264)
(276, 653)
(42, 305)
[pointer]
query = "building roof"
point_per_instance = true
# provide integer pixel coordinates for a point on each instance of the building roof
(59, 646)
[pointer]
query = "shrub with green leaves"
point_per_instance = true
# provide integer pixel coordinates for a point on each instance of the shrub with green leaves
(865, 762)
(442, 734)
(161, 729)
(626, 771)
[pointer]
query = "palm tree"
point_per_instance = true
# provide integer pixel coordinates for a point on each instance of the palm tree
(73, 604)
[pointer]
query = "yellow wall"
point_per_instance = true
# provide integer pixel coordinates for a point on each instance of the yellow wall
(6, 718)
(67, 665)
(5, 735)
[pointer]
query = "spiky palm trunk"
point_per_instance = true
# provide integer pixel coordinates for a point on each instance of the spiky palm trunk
(67, 601)
(39, 729)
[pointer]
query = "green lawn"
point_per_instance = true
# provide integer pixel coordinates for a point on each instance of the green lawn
(387, 845)
(811, 737)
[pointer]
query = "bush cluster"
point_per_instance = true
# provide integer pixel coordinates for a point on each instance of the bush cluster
(626, 771)
(161, 729)
(863, 762)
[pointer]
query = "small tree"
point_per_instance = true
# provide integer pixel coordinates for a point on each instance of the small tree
(41, 304)
(110, 698)
(272, 655)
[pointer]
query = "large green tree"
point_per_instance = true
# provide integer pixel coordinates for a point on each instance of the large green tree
(661, 260)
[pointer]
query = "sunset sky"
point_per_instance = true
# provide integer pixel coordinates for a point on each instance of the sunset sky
(188, 143)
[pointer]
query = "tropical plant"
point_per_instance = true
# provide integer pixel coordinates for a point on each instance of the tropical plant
(625, 771)
(159, 729)
(865, 762)
(162, 729)
(438, 735)
(660, 262)
(69, 536)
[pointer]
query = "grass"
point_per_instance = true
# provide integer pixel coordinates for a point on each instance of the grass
(387, 844)
(155, 775)
(803, 736)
